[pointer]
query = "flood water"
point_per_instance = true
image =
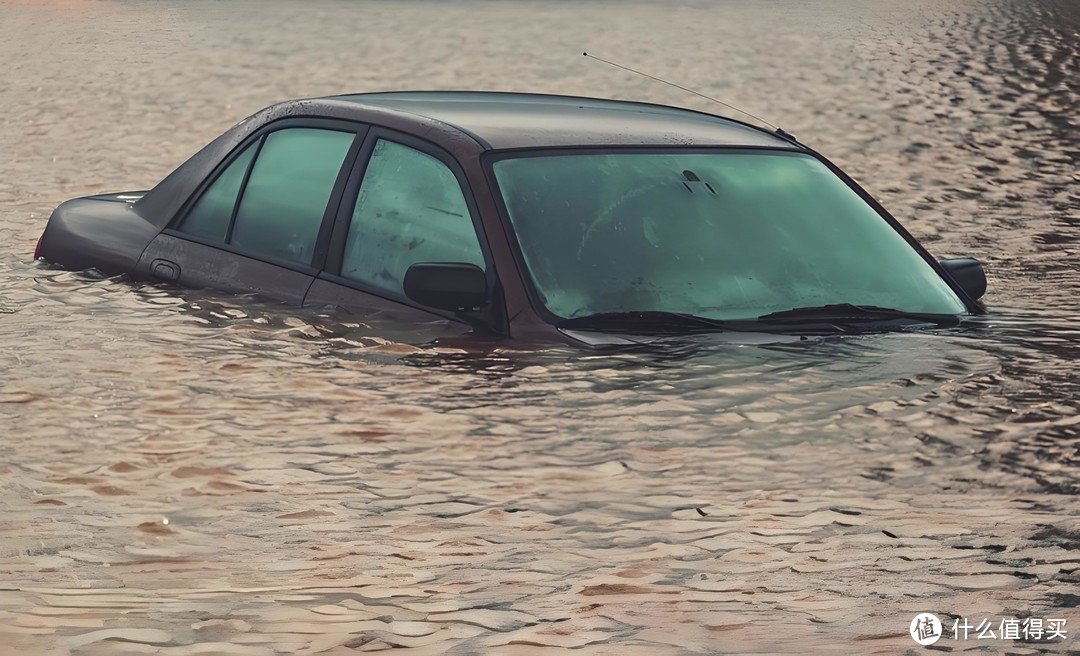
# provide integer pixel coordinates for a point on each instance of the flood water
(193, 473)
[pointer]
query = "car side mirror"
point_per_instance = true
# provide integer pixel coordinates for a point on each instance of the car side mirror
(967, 273)
(447, 286)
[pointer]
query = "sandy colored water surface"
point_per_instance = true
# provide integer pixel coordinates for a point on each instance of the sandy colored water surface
(191, 473)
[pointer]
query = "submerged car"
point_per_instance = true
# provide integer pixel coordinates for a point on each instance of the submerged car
(535, 217)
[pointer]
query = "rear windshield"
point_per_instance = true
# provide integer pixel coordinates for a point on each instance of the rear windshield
(724, 235)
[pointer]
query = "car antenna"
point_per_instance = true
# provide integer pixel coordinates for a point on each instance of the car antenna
(778, 130)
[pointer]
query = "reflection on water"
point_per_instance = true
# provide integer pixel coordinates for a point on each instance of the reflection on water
(191, 473)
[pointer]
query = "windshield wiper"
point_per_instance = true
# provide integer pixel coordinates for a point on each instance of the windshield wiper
(839, 317)
(850, 313)
(651, 321)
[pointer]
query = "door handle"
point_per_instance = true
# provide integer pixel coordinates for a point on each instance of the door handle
(165, 270)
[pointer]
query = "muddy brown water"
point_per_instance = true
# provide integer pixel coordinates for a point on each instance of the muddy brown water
(192, 473)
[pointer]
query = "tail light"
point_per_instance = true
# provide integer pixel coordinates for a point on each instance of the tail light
(37, 249)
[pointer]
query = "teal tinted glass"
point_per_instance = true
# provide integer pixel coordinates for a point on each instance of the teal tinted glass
(286, 195)
(723, 235)
(410, 209)
(210, 215)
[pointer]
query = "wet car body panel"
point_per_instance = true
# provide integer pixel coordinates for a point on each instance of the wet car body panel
(192, 264)
(330, 292)
(563, 121)
(101, 232)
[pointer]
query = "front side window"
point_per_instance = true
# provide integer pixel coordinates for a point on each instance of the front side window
(723, 235)
(410, 209)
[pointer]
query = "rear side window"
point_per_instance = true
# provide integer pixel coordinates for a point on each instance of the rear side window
(410, 209)
(278, 213)
(210, 215)
(286, 195)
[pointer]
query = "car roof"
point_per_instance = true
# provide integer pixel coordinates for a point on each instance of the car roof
(503, 120)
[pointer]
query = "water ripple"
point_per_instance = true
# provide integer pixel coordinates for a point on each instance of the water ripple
(191, 472)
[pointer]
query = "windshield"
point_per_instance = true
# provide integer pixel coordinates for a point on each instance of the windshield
(724, 235)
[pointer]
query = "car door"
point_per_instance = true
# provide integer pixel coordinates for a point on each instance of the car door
(406, 203)
(261, 222)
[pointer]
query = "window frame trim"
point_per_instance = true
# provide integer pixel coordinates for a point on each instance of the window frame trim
(322, 241)
(258, 146)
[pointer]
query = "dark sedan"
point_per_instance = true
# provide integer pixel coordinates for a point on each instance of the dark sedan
(537, 217)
